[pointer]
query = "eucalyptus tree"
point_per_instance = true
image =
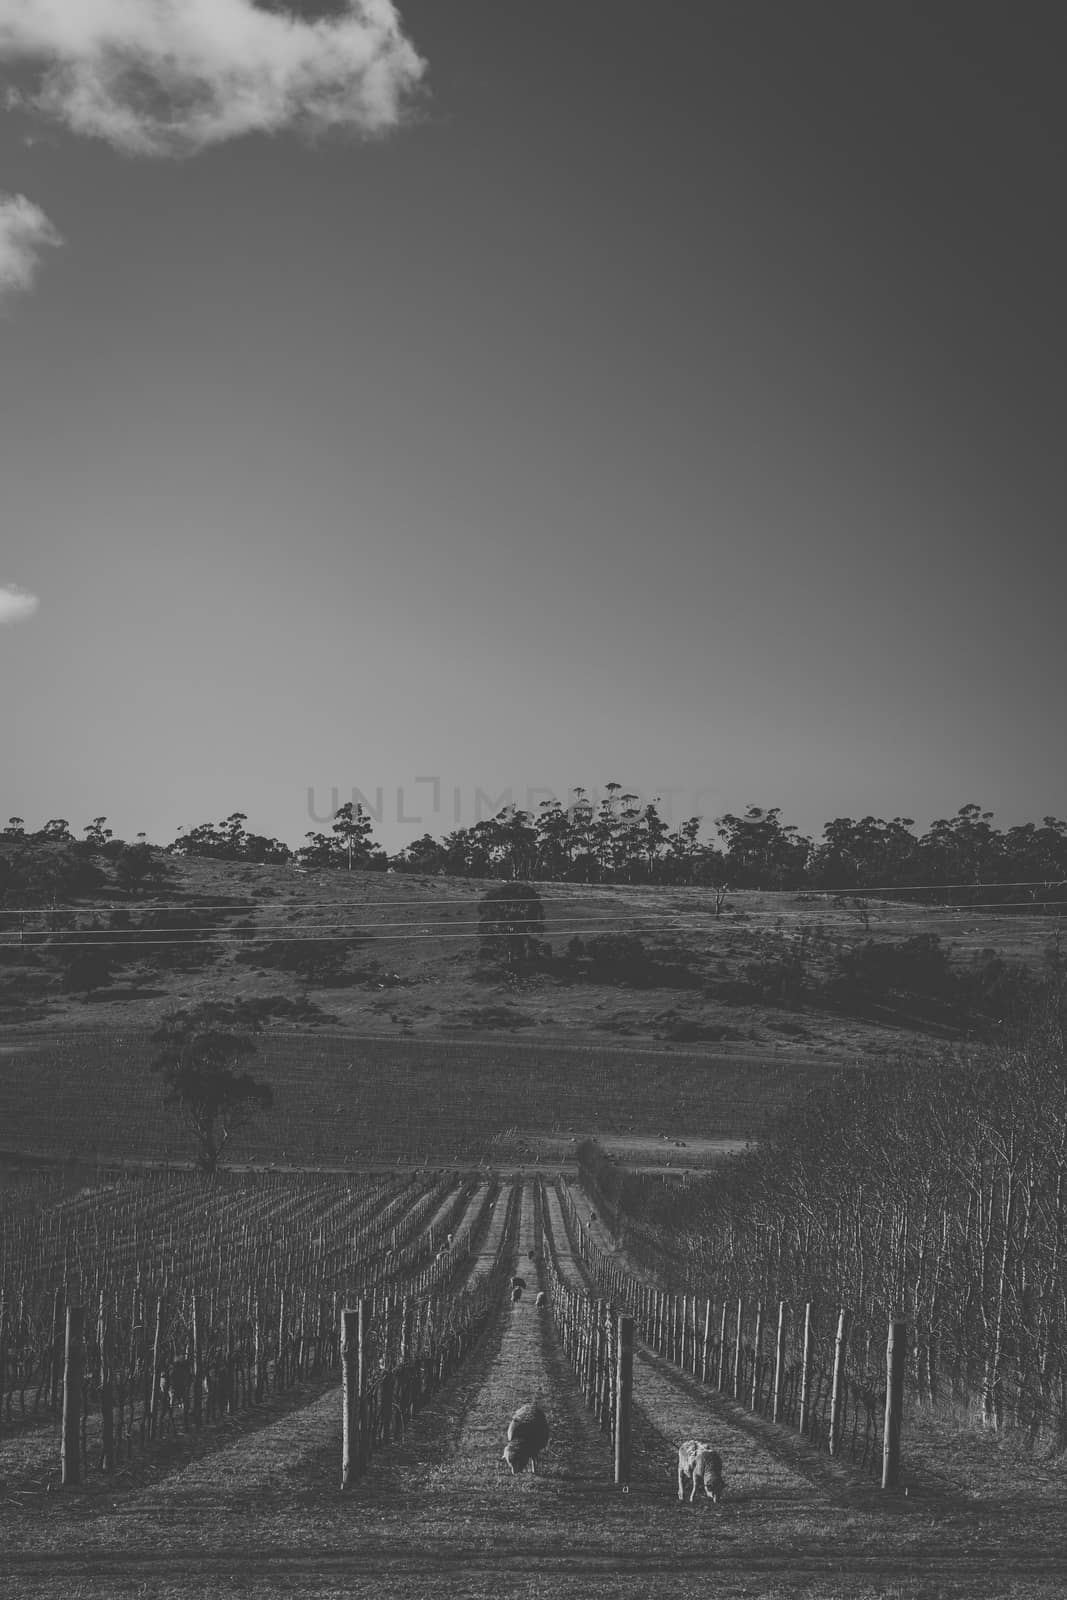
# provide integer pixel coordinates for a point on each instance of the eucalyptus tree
(199, 1056)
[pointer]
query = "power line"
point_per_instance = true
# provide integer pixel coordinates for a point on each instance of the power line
(142, 938)
(586, 889)
(281, 932)
(205, 936)
(619, 920)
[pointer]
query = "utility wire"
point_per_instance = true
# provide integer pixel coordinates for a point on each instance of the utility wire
(612, 919)
(586, 889)
(143, 939)
(202, 937)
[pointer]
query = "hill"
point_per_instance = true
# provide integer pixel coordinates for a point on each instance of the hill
(650, 1013)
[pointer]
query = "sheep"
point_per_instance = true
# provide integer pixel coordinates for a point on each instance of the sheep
(703, 1465)
(175, 1383)
(542, 1300)
(527, 1436)
(516, 1293)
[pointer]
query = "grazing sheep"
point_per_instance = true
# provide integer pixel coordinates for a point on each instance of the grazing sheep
(527, 1437)
(175, 1384)
(516, 1293)
(703, 1465)
(542, 1300)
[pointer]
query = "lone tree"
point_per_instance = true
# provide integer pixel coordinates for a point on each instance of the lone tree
(511, 916)
(200, 1051)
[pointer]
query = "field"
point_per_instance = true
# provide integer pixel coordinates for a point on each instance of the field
(349, 1100)
(435, 1095)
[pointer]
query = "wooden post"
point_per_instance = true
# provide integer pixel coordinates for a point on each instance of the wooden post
(623, 1401)
(279, 1364)
(757, 1357)
(351, 1351)
(896, 1351)
(805, 1372)
(362, 1333)
(779, 1362)
(722, 1345)
(73, 1372)
(107, 1394)
(844, 1320)
(705, 1354)
(195, 1354)
(737, 1349)
(53, 1391)
(387, 1407)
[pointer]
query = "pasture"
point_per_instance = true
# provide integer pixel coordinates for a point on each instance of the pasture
(344, 1100)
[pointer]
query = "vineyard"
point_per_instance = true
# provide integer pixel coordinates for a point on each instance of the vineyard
(320, 1352)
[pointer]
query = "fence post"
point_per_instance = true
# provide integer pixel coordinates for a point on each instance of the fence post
(779, 1362)
(196, 1366)
(737, 1349)
(722, 1346)
(844, 1320)
(757, 1357)
(805, 1371)
(73, 1370)
(896, 1351)
(107, 1394)
(705, 1354)
(352, 1389)
(623, 1399)
(55, 1358)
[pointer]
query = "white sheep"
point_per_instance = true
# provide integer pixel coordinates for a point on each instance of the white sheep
(527, 1436)
(702, 1464)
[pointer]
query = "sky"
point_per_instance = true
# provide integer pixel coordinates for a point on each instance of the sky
(476, 400)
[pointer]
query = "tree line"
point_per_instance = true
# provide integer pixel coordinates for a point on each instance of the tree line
(622, 840)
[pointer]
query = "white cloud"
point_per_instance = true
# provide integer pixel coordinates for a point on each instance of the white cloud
(171, 77)
(24, 231)
(16, 604)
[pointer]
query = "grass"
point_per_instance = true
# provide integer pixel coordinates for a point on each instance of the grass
(422, 1053)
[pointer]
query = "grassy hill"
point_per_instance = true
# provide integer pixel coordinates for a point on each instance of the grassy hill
(389, 1037)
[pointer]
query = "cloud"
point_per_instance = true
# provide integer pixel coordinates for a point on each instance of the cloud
(172, 77)
(24, 231)
(15, 604)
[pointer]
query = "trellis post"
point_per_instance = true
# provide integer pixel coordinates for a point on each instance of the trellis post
(107, 1394)
(757, 1357)
(352, 1389)
(623, 1401)
(896, 1351)
(779, 1362)
(805, 1371)
(844, 1320)
(705, 1354)
(73, 1373)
